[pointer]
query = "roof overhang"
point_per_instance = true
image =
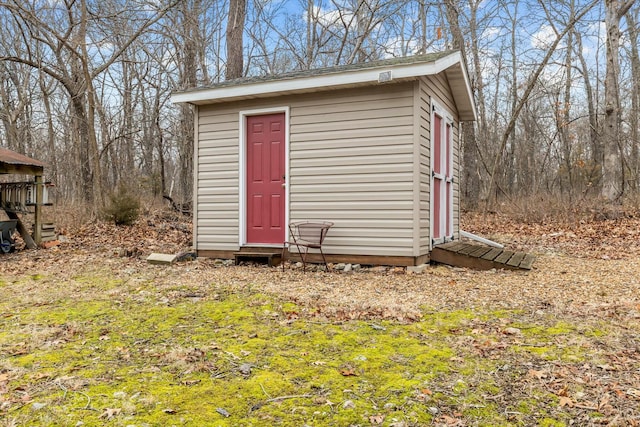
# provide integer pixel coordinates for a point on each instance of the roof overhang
(385, 72)
(16, 163)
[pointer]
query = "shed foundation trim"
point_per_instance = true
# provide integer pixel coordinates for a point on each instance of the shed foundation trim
(402, 261)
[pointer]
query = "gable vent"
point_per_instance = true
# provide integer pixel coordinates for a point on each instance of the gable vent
(385, 76)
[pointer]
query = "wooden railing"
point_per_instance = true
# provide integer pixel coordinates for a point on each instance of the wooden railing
(20, 196)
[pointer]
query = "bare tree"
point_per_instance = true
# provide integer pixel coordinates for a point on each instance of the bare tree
(57, 38)
(594, 169)
(634, 114)
(529, 87)
(612, 179)
(470, 177)
(235, 46)
(104, 71)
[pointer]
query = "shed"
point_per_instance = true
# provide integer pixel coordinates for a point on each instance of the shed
(13, 196)
(373, 148)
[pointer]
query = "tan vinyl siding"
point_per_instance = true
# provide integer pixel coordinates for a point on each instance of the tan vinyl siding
(350, 157)
(424, 141)
(352, 164)
(217, 180)
(196, 125)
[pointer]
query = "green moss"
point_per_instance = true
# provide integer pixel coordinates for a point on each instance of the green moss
(289, 307)
(564, 353)
(526, 406)
(595, 333)
(488, 412)
(24, 361)
(550, 422)
(166, 360)
(559, 328)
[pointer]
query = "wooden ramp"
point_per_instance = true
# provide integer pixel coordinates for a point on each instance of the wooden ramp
(480, 257)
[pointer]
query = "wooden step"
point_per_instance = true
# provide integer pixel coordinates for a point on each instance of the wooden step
(271, 258)
(48, 231)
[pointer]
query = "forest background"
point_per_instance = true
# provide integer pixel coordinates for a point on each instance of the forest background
(86, 85)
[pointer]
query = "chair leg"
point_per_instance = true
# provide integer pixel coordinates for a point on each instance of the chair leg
(282, 256)
(304, 259)
(326, 266)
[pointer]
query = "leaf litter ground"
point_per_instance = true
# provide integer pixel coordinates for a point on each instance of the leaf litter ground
(90, 334)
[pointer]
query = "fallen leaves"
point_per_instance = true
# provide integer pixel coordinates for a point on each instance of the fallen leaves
(566, 401)
(110, 413)
(348, 372)
(606, 239)
(539, 374)
(451, 421)
(376, 419)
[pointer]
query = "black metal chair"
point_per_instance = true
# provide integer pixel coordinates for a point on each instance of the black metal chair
(307, 235)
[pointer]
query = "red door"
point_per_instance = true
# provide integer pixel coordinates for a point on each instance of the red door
(437, 180)
(265, 179)
(449, 182)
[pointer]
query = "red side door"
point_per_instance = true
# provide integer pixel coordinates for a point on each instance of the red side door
(441, 179)
(449, 181)
(437, 181)
(265, 179)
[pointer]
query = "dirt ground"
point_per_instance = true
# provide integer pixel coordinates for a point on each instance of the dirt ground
(579, 268)
(587, 273)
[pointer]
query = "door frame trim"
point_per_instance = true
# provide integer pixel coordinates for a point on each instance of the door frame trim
(242, 169)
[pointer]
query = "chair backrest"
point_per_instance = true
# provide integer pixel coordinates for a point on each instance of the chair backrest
(309, 232)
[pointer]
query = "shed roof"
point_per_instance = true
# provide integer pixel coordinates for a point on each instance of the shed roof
(12, 162)
(340, 77)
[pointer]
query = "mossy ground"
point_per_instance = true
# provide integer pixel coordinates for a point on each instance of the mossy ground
(97, 349)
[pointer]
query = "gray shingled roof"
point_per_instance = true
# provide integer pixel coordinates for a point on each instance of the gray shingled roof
(450, 63)
(416, 59)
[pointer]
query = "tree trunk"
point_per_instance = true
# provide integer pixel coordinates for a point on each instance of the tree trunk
(51, 141)
(634, 116)
(595, 171)
(470, 179)
(612, 176)
(85, 177)
(235, 30)
(563, 114)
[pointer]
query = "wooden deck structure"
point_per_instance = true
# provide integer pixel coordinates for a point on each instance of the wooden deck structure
(480, 257)
(18, 164)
